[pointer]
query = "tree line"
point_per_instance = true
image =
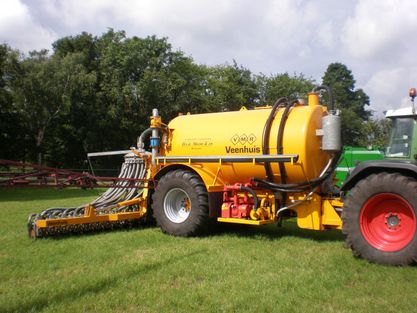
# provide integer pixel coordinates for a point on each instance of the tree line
(95, 93)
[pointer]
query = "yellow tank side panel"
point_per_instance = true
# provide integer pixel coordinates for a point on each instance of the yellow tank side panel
(240, 133)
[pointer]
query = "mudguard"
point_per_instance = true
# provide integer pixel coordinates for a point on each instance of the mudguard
(364, 169)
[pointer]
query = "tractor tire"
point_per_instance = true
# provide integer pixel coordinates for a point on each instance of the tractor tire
(180, 204)
(380, 218)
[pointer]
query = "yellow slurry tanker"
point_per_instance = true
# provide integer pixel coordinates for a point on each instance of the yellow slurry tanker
(250, 167)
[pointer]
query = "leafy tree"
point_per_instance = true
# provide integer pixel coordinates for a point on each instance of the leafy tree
(352, 102)
(66, 143)
(376, 133)
(282, 85)
(137, 75)
(42, 90)
(228, 87)
(133, 75)
(12, 133)
(84, 44)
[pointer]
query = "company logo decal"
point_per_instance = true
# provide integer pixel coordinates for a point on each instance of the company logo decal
(245, 143)
(243, 139)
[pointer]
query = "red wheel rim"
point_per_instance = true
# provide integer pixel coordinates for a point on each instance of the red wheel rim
(388, 222)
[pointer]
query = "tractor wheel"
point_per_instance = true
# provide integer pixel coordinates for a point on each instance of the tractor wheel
(380, 218)
(180, 204)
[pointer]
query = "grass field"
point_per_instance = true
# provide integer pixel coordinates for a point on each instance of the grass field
(236, 269)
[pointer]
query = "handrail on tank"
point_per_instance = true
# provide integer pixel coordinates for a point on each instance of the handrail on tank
(227, 159)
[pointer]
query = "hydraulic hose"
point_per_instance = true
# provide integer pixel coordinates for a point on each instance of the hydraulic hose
(305, 185)
(267, 133)
(301, 186)
(280, 137)
(329, 92)
(255, 197)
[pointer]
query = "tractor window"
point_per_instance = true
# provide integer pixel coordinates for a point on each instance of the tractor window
(401, 136)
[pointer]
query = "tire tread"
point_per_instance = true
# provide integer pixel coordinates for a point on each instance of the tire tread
(373, 184)
(198, 225)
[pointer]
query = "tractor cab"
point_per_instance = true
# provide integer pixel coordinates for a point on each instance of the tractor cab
(403, 140)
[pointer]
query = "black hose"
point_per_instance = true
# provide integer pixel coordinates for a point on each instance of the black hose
(295, 187)
(255, 197)
(329, 92)
(281, 188)
(301, 186)
(267, 133)
(280, 137)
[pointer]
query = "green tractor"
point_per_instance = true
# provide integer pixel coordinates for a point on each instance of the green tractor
(380, 197)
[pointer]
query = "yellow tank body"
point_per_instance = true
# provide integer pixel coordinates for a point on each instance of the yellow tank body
(240, 133)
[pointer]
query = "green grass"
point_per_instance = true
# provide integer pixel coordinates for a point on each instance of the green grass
(236, 269)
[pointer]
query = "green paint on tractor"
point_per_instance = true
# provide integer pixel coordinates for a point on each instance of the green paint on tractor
(351, 157)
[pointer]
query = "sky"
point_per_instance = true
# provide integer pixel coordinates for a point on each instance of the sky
(375, 39)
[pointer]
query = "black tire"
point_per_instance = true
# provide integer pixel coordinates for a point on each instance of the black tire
(187, 217)
(379, 219)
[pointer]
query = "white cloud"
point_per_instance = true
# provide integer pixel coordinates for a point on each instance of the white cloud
(19, 29)
(260, 35)
(389, 88)
(381, 29)
(325, 35)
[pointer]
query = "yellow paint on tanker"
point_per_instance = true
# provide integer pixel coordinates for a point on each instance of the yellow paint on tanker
(240, 133)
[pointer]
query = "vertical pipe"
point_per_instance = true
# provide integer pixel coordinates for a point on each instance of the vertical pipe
(313, 99)
(155, 136)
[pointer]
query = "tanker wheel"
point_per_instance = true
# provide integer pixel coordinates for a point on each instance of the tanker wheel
(380, 218)
(180, 204)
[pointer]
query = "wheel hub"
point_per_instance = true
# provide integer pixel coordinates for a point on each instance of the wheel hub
(177, 205)
(392, 220)
(388, 222)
